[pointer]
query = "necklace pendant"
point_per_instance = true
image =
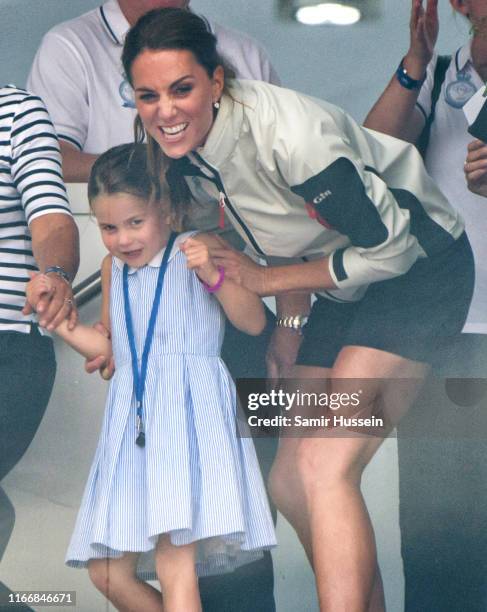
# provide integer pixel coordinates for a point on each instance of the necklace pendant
(140, 440)
(460, 91)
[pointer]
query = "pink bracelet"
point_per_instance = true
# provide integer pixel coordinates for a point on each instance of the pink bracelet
(219, 282)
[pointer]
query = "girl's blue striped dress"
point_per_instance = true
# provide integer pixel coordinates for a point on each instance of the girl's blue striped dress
(195, 478)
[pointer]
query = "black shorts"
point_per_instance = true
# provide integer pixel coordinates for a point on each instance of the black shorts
(416, 315)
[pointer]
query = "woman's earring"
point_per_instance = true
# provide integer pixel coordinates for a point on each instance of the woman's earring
(216, 105)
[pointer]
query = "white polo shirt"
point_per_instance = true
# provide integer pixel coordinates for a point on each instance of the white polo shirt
(78, 73)
(444, 161)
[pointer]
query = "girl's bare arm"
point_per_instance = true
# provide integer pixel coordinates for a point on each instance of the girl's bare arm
(242, 307)
(87, 340)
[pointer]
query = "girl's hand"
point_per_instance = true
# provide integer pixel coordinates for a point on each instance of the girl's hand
(424, 27)
(475, 167)
(39, 287)
(199, 259)
(240, 268)
(52, 298)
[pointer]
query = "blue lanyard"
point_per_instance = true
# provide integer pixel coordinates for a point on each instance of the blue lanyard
(139, 378)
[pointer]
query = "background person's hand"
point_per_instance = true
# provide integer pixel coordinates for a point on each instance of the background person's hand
(476, 167)
(100, 363)
(424, 28)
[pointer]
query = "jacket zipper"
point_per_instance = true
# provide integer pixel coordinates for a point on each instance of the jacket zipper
(221, 205)
(224, 202)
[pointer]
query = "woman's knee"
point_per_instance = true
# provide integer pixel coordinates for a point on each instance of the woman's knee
(283, 483)
(278, 486)
(323, 463)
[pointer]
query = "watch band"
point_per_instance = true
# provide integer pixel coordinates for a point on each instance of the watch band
(296, 322)
(59, 271)
(405, 80)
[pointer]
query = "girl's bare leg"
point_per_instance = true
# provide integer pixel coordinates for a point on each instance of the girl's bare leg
(175, 567)
(117, 580)
(318, 481)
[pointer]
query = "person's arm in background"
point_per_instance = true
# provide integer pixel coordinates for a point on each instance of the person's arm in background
(395, 112)
(57, 76)
(76, 164)
(36, 172)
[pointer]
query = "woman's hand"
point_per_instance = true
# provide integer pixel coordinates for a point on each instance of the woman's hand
(424, 27)
(282, 353)
(239, 268)
(476, 167)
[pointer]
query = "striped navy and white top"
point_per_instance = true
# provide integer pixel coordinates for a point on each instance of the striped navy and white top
(31, 185)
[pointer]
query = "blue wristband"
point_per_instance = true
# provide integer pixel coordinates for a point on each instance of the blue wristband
(59, 271)
(405, 80)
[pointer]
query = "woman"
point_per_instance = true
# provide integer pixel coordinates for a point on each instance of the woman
(299, 180)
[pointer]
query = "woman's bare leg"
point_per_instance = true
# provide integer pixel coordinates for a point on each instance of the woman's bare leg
(176, 570)
(329, 470)
(286, 489)
(117, 580)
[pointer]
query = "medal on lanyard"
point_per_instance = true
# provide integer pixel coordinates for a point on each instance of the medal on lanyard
(461, 90)
(139, 377)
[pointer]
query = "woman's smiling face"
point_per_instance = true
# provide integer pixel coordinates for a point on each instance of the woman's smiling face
(174, 97)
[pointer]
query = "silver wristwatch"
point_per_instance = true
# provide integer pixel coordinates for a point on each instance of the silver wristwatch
(296, 322)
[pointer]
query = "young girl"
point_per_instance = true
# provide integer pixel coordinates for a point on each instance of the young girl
(170, 476)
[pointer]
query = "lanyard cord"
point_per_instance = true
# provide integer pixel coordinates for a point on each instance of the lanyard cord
(139, 379)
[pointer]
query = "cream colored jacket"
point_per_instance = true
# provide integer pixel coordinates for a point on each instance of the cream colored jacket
(298, 178)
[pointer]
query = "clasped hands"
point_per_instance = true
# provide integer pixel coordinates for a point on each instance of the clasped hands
(51, 297)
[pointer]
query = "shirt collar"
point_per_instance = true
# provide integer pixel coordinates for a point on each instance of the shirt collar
(117, 25)
(114, 21)
(156, 261)
(227, 127)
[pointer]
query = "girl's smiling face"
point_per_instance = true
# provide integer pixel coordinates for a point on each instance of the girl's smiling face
(174, 97)
(131, 229)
